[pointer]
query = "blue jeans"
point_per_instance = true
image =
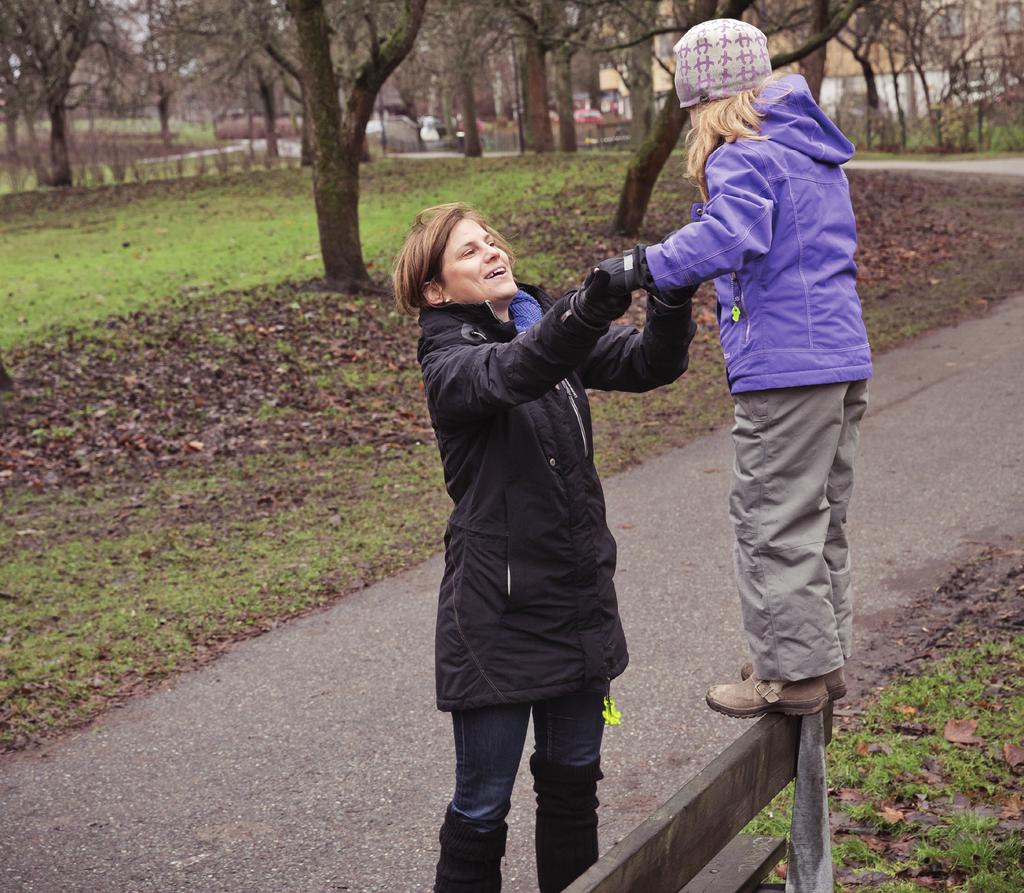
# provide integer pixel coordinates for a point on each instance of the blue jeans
(489, 746)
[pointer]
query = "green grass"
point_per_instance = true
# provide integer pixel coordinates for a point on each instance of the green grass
(134, 247)
(107, 591)
(921, 773)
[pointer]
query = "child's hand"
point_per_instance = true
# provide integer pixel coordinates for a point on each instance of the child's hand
(624, 271)
(630, 271)
(595, 304)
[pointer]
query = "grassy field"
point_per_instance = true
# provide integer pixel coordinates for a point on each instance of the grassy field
(102, 252)
(200, 448)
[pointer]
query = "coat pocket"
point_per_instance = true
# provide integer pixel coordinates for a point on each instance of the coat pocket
(483, 578)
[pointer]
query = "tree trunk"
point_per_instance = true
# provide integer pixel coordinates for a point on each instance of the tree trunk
(11, 121)
(812, 66)
(306, 134)
(163, 107)
(266, 88)
(934, 112)
(645, 167)
(6, 382)
(30, 129)
(60, 161)
(900, 114)
(335, 167)
(591, 76)
(641, 91)
(538, 124)
(566, 118)
(250, 126)
(502, 104)
(869, 81)
(447, 113)
(471, 139)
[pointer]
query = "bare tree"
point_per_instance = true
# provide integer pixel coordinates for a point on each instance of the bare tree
(19, 94)
(812, 66)
(50, 37)
(278, 40)
(547, 25)
(165, 52)
(861, 36)
(338, 137)
(634, 60)
(455, 42)
(650, 158)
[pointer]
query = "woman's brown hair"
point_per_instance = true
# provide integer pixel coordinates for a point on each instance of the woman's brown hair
(419, 261)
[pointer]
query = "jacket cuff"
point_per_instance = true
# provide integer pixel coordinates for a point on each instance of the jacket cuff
(658, 307)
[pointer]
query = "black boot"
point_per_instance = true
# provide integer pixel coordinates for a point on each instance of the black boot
(566, 836)
(470, 859)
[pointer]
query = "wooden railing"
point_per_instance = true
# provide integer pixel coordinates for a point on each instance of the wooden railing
(690, 843)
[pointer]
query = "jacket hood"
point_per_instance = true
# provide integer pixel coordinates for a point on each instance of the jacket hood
(794, 119)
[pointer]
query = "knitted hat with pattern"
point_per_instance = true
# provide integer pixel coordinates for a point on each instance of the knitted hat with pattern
(720, 58)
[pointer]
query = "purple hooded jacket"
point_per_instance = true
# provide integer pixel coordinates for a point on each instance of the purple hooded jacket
(778, 237)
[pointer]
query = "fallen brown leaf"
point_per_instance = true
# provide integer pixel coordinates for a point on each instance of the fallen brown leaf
(891, 814)
(850, 795)
(1013, 754)
(961, 731)
(1013, 808)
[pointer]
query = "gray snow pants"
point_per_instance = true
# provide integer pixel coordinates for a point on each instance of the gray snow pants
(792, 481)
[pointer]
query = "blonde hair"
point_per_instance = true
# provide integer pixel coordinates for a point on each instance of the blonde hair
(724, 121)
(420, 258)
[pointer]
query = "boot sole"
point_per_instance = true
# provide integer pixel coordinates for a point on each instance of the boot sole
(805, 708)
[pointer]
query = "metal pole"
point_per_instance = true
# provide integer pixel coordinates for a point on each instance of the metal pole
(380, 114)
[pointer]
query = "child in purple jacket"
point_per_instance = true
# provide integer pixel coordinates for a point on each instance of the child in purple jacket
(776, 232)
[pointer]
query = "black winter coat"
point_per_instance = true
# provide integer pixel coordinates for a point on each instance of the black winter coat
(527, 607)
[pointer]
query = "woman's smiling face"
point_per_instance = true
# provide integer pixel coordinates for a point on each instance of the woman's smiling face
(473, 270)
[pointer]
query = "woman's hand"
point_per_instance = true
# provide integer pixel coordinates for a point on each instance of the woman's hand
(595, 304)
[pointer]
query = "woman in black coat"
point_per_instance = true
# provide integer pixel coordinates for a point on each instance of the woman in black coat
(527, 618)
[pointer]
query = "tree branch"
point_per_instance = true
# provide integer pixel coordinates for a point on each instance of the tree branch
(816, 41)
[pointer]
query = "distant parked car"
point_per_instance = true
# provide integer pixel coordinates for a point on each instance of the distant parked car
(588, 116)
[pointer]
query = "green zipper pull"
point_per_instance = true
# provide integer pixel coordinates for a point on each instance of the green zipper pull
(736, 313)
(612, 715)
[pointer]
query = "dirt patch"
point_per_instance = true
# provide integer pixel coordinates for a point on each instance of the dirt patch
(275, 369)
(979, 600)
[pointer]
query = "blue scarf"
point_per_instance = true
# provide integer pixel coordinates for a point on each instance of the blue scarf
(525, 310)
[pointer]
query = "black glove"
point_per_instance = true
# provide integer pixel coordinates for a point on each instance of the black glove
(594, 304)
(629, 271)
(626, 271)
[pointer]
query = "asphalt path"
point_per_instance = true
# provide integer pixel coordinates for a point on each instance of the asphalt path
(312, 758)
(1009, 167)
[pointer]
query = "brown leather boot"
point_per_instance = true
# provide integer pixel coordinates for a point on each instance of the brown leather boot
(755, 697)
(835, 681)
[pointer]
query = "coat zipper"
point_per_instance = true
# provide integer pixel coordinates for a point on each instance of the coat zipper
(739, 308)
(579, 418)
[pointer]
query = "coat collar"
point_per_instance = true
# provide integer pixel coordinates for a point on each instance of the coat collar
(436, 322)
